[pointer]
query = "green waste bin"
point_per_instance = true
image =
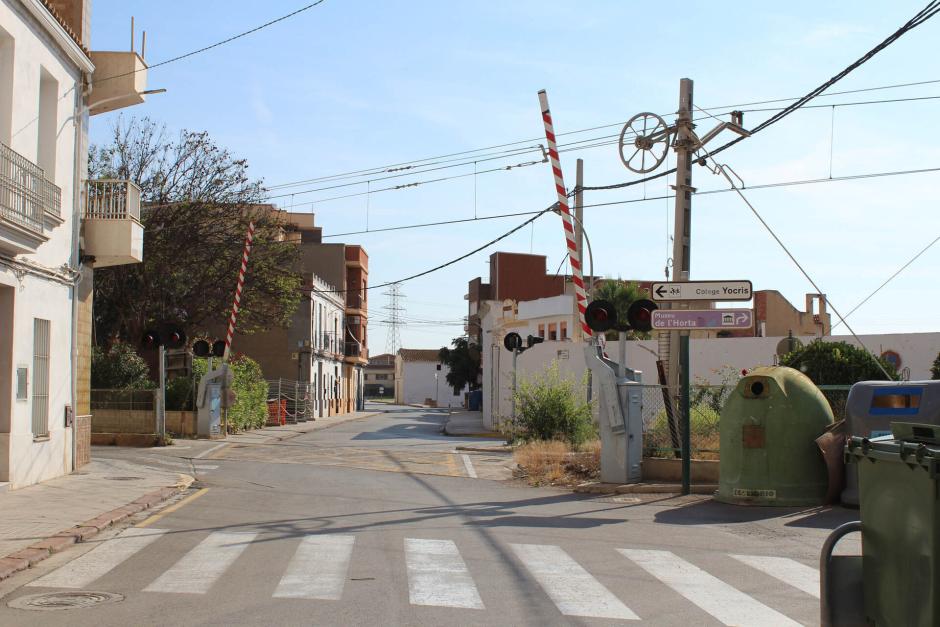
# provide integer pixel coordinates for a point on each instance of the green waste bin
(900, 512)
(768, 431)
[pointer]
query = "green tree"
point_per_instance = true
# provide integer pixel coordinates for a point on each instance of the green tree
(837, 363)
(463, 363)
(197, 200)
(621, 294)
(119, 368)
(935, 368)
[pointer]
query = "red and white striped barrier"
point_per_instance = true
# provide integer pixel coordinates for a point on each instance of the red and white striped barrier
(238, 290)
(577, 276)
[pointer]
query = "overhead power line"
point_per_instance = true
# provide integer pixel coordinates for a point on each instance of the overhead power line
(499, 216)
(216, 44)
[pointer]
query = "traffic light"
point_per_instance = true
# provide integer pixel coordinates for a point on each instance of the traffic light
(201, 348)
(513, 341)
(601, 316)
(173, 336)
(150, 339)
(640, 315)
(218, 348)
(532, 340)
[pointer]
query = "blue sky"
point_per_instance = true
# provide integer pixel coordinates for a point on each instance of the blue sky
(351, 85)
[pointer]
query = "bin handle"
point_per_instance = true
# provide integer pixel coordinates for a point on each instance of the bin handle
(825, 558)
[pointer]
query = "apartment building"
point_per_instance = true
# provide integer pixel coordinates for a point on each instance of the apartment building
(55, 228)
(379, 376)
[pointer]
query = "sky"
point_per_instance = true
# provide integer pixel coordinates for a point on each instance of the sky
(352, 85)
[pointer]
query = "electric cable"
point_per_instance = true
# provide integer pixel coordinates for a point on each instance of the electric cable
(211, 46)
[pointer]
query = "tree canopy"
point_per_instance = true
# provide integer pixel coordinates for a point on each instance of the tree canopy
(463, 362)
(837, 363)
(197, 200)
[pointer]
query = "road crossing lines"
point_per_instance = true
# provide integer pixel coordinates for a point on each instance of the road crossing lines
(318, 568)
(726, 603)
(96, 563)
(437, 575)
(196, 571)
(573, 590)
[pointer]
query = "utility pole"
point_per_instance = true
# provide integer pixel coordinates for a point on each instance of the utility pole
(579, 236)
(685, 144)
(394, 320)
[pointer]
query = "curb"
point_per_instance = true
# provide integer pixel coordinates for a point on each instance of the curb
(642, 488)
(485, 449)
(38, 551)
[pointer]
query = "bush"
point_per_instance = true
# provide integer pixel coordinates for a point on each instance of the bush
(703, 432)
(180, 394)
(251, 392)
(549, 407)
(120, 368)
(837, 363)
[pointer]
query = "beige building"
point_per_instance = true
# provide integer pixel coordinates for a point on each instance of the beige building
(379, 377)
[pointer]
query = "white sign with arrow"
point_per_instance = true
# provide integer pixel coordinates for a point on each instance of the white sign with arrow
(702, 290)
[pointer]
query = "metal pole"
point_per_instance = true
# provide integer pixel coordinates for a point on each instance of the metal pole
(515, 354)
(579, 234)
(622, 354)
(684, 413)
(682, 235)
(161, 396)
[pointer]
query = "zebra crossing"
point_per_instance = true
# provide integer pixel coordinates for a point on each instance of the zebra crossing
(438, 576)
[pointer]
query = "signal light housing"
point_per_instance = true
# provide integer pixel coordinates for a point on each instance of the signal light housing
(601, 316)
(201, 348)
(151, 339)
(218, 348)
(640, 315)
(512, 341)
(532, 340)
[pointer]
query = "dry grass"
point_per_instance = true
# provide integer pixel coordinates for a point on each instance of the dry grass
(554, 463)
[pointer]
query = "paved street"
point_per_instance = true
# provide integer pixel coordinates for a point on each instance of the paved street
(272, 536)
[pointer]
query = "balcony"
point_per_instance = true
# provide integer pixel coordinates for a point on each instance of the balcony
(356, 302)
(112, 232)
(27, 199)
(357, 351)
(126, 74)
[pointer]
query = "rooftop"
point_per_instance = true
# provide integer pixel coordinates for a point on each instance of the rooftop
(419, 354)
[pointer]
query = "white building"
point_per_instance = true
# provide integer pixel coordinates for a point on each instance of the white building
(46, 93)
(326, 366)
(421, 377)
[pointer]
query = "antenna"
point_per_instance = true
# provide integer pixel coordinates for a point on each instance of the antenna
(394, 320)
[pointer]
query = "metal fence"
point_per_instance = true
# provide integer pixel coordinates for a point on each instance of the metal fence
(25, 192)
(110, 199)
(135, 400)
(290, 402)
(706, 403)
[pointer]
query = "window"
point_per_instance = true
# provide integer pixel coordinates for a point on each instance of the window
(366, 377)
(552, 331)
(22, 381)
(542, 330)
(46, 140)
(40, 378)
(6, 94)
(381, 377)
(563, 330)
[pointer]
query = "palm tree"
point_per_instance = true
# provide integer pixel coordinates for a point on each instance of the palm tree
(622, 294)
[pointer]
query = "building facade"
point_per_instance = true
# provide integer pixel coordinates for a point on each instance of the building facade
(55, 228)
(379, 376)
(421, 379)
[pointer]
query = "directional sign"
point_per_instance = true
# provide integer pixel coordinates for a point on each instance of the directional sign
(702, 290)
(677, 319)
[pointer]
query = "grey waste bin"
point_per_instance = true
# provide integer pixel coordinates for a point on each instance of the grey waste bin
(873, 405)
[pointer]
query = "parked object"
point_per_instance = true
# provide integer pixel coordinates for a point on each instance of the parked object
(898, 482)
(873, 405)
(768, 432)
(832, 446)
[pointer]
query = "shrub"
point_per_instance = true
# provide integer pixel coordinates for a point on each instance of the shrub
(837, 363)
(549, 407)
(703, 432)
(180, 394)
(119, 368)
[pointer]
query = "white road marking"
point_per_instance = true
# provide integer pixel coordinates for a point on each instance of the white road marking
(437, 575)
(573, 590)
(100, 560)
(209, 451)
(727, 604)
(318, 568)
(196, 571)
(471, 472)
(792, 572)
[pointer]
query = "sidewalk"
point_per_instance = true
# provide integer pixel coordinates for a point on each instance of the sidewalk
(468, 424)
(48, 517)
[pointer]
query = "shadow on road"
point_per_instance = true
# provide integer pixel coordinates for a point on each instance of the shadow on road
(715, 513)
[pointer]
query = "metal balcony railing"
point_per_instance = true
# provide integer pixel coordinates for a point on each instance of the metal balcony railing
(25, 193)
(354, 349)
(112, 199)
(354, 301)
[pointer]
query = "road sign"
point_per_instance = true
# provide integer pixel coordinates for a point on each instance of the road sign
(678, 319)
(702, 290)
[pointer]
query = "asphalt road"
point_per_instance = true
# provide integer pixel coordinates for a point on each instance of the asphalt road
(273, 540)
